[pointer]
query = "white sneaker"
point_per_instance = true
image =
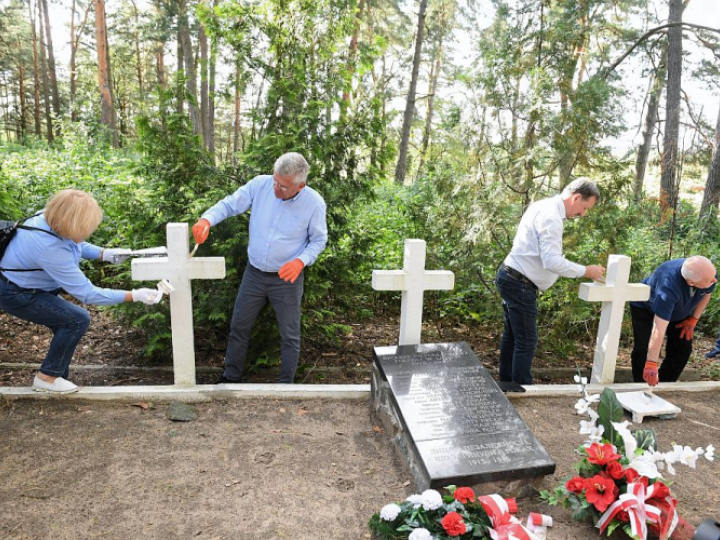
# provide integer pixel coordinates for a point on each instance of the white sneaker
(59, 386)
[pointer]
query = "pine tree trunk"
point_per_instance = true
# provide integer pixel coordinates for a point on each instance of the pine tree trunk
(204, 83)
(211, 97)
(23, 104)
(36, 73)
(51, 61)
(649, 126)
(138, 56)
(669, 179)
(45, 83)
(401, 167)
(160, 65)
(345, 103)
(189, 61)
(434, 76)
(73, 51)
(712, 186)
(236, 123)
(74, 44)
(104, 75)
(180, 67)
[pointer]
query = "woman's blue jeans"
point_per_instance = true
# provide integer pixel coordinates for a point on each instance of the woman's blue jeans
(67, 321)
(520, 336)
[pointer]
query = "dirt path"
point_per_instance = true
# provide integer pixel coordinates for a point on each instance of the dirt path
(252, 469)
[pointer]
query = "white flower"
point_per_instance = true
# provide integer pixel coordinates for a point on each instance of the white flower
(710, 453)
(645, 468)
(689, 457)
(389, 512)
(627, 437)
(586, 427)
(596, 434)
(420, 534)
(416, 501)
(583, 404)
(593, 415)
(582, 381)
(593, 431)
(431, 499)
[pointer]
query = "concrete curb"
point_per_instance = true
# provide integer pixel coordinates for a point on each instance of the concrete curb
(209, 392)
(622, 374)
(197, 394)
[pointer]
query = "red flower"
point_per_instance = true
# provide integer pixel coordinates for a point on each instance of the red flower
(661, 491)
(575, 484)
(453, 524)
(623, 516)
(600, 492)
(601, 454)
(615, 470)
(631, 475)
(464, 494)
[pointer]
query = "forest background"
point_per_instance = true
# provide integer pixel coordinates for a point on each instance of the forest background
(432, 119)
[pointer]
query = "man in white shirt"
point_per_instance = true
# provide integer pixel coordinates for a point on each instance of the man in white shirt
(535, 262)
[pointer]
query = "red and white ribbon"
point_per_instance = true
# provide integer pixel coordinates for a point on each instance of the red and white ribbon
(505, 526)
(640, 513)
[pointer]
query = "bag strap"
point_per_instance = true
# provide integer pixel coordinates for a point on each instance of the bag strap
(19, 225)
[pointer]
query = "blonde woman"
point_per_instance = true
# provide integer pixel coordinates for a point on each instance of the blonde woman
(39, 264)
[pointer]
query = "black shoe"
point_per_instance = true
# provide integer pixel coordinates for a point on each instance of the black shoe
(712, 354)
(225, 380)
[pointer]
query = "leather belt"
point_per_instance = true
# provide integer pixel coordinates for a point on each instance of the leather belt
(517, 275)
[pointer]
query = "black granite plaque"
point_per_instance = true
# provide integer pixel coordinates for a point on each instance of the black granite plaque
(462, 428)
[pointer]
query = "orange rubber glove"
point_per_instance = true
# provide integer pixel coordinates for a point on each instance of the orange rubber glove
(688, 328)
(650, 373)
(201, 230)
(291, 270)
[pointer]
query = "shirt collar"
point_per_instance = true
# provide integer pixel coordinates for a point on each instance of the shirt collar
(297, 196)
(560, 206)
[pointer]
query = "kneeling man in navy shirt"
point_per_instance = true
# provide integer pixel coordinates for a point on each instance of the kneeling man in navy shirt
(679, 292)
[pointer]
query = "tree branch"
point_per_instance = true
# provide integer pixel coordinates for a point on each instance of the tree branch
(649, 33)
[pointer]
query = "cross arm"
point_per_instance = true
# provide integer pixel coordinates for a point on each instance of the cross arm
(439, 280)
(388, 280)
(149, 269)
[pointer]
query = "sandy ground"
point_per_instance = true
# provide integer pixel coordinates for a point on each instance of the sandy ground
(260, 468)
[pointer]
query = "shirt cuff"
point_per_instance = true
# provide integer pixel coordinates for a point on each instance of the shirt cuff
(210, 219)
(304, 258)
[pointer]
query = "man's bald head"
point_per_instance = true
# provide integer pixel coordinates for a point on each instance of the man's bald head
(699, 272)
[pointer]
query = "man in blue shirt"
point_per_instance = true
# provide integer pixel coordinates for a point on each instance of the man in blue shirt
(680, 290)
(287, 233)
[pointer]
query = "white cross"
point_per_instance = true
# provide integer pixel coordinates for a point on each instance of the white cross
(413, 280)
(178, 268)
(613, 295)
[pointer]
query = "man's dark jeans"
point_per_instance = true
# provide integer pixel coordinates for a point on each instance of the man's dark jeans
(256, 289)
(520, 336)
(67, 321)
(677, 349)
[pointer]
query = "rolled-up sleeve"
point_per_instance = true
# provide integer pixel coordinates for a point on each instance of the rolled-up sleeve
(550, 232)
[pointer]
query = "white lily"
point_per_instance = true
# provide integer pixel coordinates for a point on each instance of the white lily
(595, 436)
(710, 453)
(688, 457)
(627, 437)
